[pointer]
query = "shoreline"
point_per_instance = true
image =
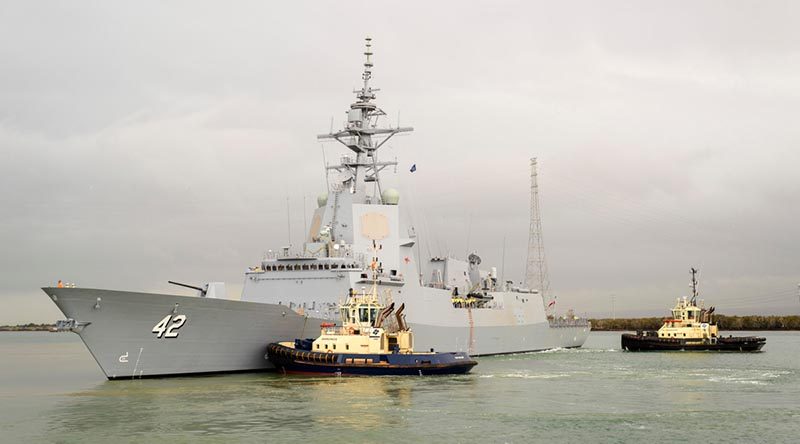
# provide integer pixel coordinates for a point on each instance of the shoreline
(721, 329)
(724, 322)
(28, 327)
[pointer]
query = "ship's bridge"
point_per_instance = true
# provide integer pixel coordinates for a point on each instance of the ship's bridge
(685, 311)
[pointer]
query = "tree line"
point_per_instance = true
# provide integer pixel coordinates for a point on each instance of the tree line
(27, 327)
(724, 322)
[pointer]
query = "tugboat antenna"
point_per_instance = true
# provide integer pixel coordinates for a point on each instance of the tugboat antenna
(694, 285)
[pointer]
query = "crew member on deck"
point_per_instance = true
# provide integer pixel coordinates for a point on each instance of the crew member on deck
(60, 284)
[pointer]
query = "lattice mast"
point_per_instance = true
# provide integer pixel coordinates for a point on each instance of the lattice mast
(364, 136)
(536, 267)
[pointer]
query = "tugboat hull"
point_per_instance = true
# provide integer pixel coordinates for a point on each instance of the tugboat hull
(651, 342)
(291, 360)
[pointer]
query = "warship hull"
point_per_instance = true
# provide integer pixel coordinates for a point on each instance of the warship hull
(197, 335)
(120, 330)
(637, 342)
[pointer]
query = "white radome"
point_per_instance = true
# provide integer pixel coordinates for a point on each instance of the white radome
(322, 200)
(390, 196)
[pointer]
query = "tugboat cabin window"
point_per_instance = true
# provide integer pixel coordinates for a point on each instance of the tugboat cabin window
(363, 314)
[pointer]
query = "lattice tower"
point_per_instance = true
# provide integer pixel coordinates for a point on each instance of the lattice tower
(536, 267)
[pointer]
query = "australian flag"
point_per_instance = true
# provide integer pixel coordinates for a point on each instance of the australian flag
(413, 168)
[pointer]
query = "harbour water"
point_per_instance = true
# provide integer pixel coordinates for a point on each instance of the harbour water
(52, 391)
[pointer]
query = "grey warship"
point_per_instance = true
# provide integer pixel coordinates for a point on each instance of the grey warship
(455, 305)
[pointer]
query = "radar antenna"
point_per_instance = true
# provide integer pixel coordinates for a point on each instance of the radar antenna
(366, 94)
(363, 136)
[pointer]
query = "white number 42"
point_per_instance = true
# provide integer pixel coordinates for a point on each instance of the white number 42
(163, 328)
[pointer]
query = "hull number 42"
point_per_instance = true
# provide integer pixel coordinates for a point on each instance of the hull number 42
(168, 327)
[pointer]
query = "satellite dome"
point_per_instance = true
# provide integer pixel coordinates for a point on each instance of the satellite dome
(390, 196)
(322, 200)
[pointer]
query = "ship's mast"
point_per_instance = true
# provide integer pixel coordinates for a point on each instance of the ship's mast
(362, 135)
(694, 285)
(536, 267)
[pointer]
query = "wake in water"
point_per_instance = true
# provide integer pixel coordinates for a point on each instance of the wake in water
(527, 375)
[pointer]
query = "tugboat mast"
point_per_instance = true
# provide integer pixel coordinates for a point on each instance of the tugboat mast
(694, 286)
(363, 136)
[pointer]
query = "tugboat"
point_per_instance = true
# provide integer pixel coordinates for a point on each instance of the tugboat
(369, 342)
(690, 328)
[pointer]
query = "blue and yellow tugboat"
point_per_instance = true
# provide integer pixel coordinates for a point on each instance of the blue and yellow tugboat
(369, 342)
(690, 328)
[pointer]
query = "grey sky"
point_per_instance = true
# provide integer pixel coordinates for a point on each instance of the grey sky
(145, 141)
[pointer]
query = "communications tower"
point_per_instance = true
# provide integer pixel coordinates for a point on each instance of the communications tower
(536, 267)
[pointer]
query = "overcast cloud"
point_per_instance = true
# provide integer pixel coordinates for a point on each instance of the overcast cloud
(147, 141)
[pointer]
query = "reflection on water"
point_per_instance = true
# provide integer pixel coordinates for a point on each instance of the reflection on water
(54, 393)
(249, 403)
